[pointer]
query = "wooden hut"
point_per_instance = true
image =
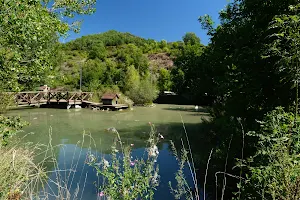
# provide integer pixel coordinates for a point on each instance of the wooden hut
(110, 99)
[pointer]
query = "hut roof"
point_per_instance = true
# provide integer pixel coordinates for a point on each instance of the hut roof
(110, 96)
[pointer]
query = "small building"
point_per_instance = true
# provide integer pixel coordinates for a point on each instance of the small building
(110, 99)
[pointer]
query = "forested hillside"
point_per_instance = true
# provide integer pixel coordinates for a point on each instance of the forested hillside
(112, 60)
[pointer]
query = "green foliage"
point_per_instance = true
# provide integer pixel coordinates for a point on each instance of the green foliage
(164, 82)
(191, 38)
(29, 35)
(7, 100)
(250, 67)
(97, 51)
(132, 79)
(273, 172)
(207, 23)
(182, 189)
(143, 93)
(115, 58)
(187, 76)
(132, 55)
(9, 126)
(125, 177)
(177, 77)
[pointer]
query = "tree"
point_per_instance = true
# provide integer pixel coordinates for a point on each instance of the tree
(97, 51)
(191, 38)
(29, 33)
(187, 62)
(164, 80)
(132, 79)
(285, 45)
(139, 89)
(178, 79)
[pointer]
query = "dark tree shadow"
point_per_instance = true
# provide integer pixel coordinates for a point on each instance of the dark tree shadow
(189, 109)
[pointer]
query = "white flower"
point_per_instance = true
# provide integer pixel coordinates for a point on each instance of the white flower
(153, 151)
(116, 150)
(91, 158)
(161, 136)
(105, 163)
(155, 178)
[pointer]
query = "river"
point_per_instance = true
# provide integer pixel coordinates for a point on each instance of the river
(67, 128)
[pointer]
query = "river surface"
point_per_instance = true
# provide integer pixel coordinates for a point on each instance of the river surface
(66, 128)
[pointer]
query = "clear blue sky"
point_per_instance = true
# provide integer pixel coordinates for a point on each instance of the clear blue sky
(155, 19)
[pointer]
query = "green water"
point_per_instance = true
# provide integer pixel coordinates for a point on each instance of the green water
(67, 127)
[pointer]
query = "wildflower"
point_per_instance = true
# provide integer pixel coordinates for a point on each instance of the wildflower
(116, 150)
(153, 151)
(132, 145)
(155, 178)
(150, 123)
(161, 136)
(105, 163)
(132, 163)
(101, 194)
(91, 158)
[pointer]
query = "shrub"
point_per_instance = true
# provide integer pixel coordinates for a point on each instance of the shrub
(6, 100)
(274, 171)
(9, 126)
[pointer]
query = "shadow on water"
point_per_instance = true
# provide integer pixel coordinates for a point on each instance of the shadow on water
(201, 110)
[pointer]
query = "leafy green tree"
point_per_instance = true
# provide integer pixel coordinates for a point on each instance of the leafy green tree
(132, 79)
(191, 38)
(188, 62)
(139, 89)
(28, 35)
(97, 51)
(285, 46)
(132, 55)
(164, 82)
(178, 79)
(92, 74)
(163, 44)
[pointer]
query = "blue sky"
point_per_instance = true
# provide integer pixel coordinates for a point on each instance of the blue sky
(155, 19)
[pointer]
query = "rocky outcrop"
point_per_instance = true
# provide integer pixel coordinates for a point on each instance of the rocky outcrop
(161, 60)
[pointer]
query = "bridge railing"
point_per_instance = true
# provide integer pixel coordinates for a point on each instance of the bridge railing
(51, 96)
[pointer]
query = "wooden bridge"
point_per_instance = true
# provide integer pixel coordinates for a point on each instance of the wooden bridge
(62, 98)
(40, 98)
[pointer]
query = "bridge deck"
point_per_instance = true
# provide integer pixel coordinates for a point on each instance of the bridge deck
(32, 98)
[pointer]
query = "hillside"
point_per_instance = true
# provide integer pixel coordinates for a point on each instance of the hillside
(106, 57)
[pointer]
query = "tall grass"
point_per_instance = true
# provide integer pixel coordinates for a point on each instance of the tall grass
(23, 176)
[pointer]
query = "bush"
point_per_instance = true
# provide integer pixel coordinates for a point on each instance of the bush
(274, 171)
(144, 93)
(6, 100)
(9, 126)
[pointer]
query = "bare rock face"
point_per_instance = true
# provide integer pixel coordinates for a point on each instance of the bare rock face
(161, 60)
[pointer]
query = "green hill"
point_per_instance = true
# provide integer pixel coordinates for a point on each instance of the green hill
(115, 60)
